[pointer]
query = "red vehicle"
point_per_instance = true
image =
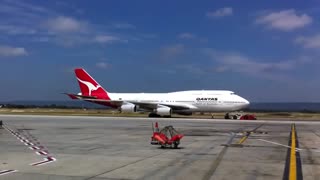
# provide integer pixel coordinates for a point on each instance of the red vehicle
(168, 136)
(240, 116)
(248, 117)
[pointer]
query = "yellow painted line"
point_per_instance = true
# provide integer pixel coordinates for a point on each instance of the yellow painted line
(243, 139)
(293, 159)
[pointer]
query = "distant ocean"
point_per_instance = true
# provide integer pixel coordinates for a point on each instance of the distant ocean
(254, 106)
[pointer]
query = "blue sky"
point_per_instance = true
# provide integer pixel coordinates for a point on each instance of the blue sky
(263, 50)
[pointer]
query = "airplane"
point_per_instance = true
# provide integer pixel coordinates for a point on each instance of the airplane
(158, 104)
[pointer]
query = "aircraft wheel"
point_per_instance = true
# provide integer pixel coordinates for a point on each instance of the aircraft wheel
(226, 116)
(153, 115)
(175, 145)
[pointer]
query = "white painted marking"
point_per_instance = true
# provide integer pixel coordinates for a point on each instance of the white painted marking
(3, 172)
(297, 149)
(24, 140)
(33, 147)
(29, 144)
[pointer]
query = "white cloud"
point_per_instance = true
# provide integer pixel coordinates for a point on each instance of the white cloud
(17, 30)
(226, 11)
(312, 42)
(20, 9)
(73, 40)
(29, 7)
(191, 36)
(64, 24)
(186, 36)
(35, 23)
(235, 62)
(124, 26)
(192, 68)
(173, 50)
(170, 52)
(12, 51)
(221, 69)
(285, 20)
(106, 39)
(103, 65)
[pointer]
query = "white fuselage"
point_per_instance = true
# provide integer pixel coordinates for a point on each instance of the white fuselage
(196, 101)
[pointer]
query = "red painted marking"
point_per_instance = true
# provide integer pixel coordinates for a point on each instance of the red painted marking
(46, 160)
(42, 152)
(34, 148)
(156, 126)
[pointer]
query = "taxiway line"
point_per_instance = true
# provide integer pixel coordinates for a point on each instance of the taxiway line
(245, 137)
(3, 172)
(216, 163)
(293, 168)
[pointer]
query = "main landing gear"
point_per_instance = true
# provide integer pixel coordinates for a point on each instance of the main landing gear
(154, 115)
(157, 115)
(231, 116)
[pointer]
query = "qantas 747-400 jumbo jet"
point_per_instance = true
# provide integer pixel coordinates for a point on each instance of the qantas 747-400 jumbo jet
(159, 104)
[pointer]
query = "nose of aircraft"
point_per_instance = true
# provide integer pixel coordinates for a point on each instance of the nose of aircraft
(246, 102)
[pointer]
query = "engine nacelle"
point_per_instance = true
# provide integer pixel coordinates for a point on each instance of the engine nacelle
(128, 108)
(164, 111)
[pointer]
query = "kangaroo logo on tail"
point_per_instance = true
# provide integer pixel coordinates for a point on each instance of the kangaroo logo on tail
(90, 86)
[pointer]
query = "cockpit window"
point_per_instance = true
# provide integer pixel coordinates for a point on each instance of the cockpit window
(232, 93)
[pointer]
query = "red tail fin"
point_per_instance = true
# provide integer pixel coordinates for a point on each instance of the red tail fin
(90, 87)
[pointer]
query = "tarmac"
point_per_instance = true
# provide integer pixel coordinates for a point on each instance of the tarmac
(96, 148)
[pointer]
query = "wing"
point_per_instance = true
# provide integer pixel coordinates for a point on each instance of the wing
(143, 105)
(155, 105)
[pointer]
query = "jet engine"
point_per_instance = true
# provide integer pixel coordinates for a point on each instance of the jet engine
(164, 111)
(128, 108)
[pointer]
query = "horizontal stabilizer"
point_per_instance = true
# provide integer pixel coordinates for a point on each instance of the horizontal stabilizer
(76, 96)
